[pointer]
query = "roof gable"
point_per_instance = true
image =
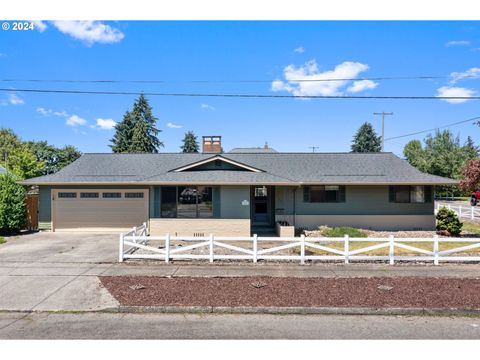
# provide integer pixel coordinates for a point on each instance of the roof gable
(217, 161)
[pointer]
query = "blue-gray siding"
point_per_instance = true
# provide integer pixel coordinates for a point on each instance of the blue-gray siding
(359, 200)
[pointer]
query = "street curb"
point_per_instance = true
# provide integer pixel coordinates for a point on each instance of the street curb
(293, 310)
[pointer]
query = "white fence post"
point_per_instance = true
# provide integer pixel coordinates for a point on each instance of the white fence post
(460, 211)
(167, 248)
(472, 216)
(255, 247)
(391, 250)
(346, 248)
(211, 248)
(144, 232)
(120, 249)
(435, 249)
(302, 249)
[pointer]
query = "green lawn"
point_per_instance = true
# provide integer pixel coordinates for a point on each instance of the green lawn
(471, 227)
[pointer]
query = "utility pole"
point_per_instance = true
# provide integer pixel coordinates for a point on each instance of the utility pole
(313, 148)
(383, 113)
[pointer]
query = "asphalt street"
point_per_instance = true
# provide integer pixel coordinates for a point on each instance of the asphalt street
(43, 325)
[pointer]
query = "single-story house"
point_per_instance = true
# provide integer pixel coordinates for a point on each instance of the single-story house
(236, 193)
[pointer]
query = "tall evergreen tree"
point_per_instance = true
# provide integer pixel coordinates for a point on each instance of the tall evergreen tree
(142, 112)
(190, 143)
(146, 139)
(366, 140)
(470, 149)
(140, 142)
(122, 140)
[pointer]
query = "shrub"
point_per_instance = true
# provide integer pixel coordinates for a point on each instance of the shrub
(448, 221)
(12, 205)
(2, 240)
(341, 232)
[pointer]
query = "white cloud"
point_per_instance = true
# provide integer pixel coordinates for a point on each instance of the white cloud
(49, 112)
(60, 113)
(44, 112)
(361, 85)
(75, 120)
(39, 25)
(90, 31)
(455, 92)
(299, 50)
(15, 100)
(457, 43)
(206, 106)
(311, 76)
(469, 74)
(106, 124)
(174, 126)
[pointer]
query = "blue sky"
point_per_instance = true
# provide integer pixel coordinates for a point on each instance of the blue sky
(271, 52)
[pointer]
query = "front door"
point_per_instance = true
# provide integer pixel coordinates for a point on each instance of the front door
(261, 205)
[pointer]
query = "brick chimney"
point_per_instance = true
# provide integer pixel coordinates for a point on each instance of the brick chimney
(212, 144)
(266, 145)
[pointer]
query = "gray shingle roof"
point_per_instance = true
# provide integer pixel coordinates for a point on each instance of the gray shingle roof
(277, 168)
(252, 150)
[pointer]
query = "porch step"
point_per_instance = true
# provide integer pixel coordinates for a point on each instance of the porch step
(264, 231)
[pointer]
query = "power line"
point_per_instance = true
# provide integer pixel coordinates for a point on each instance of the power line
(433, 129)
(251, 96)
(109, 81)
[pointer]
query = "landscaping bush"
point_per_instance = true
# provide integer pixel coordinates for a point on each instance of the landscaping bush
(12, 205)
(2, 240)
(341, 232)
(448, 221)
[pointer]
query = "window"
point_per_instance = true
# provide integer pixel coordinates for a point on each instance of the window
(410, 194)
(111, 195)
(261, 191)
(417, 194)
(205, 203)
(186, 202)
(88, 195)
(67, 195)
(134, 195)
(328, 194)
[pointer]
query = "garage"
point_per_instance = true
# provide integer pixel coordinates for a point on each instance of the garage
(98, 210)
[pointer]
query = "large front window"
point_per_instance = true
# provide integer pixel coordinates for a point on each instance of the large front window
(327, 193)
(186, 202)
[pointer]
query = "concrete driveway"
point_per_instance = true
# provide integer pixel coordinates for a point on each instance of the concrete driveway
(56, 271)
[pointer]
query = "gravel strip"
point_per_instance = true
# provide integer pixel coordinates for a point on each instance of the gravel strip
(404, 292)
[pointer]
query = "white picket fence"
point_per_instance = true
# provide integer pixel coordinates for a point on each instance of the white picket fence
(166, 248)
(466, 212)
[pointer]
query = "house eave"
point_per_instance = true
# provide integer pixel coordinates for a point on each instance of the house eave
(270, 183)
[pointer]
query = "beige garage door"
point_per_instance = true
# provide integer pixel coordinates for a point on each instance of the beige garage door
(98, 210)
